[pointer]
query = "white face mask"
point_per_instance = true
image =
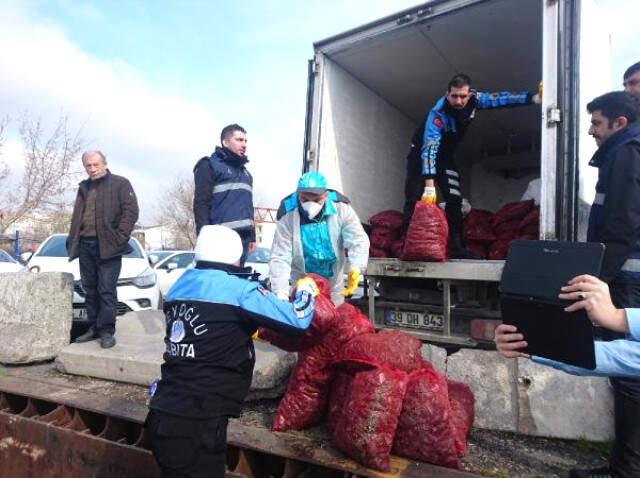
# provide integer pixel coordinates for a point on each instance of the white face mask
(312, 208)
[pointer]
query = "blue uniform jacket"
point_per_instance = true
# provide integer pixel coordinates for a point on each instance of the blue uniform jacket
(445, 126)
(224, 192)
(615, 214)
(211, 313)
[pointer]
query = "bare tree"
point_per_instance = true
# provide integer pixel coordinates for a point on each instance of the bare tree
(177, 213)
(47, 173)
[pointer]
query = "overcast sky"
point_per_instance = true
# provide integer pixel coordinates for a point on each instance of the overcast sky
(151, 83)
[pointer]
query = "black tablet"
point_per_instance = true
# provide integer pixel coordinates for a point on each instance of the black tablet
(531, 280)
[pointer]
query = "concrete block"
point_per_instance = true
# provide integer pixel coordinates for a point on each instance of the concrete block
(555, 404)
(271, 372)
(35, 315)
(490, 376)
(435, 355)
(137, 357)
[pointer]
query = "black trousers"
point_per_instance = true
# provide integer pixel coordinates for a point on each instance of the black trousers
(448, 180)
(188, 448)
(625, 457)
(99, 278)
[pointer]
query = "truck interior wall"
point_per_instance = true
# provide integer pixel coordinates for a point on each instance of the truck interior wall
(377, 91)
(362, 138)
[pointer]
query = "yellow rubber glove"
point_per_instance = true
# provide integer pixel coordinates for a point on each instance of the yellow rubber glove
(429, 195)
(353, 278)
(309, 285)
(256, 336)
(537, 98)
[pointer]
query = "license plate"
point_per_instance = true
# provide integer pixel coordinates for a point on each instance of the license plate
(418, 320)
(80, 314)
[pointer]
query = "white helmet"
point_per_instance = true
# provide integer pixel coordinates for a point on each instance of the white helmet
(218, 244)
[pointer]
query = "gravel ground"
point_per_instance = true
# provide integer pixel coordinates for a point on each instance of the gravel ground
(490, 453)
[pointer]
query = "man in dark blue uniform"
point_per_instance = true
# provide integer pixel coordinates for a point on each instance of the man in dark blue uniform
(224, 188)
(211, 313)
(431, 159)
(615, 221)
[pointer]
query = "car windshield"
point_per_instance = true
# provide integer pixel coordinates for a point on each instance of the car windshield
(261, 254)
(4, 257)
(55, 247)
(160, 254)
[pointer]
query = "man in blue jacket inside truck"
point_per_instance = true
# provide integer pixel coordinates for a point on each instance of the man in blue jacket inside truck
(211, 313)
(431, 158)
(224, 188)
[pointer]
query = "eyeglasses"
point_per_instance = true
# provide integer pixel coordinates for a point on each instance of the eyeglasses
(631, 82)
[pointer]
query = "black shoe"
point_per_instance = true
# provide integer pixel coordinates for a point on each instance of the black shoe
(89, 335)
(107, 341)
(593, 473)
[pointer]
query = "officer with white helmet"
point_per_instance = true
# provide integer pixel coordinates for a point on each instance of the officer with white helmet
(316, 225)
(211, 312)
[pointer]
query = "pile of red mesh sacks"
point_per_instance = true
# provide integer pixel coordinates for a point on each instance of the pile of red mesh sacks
(385, 237)
(489, 235)
(375, 390)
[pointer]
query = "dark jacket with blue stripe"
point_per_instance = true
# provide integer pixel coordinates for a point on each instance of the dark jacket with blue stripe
(615, 214)
(444, 127)
(211, 313)
(224, 192)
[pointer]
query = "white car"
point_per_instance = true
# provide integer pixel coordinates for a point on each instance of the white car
(9, 264)
(169, 269)
(137, 285)
(258, 260)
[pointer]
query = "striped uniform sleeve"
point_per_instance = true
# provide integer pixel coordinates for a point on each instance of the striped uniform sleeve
(431, 142)
(502, 99)
(262, 307)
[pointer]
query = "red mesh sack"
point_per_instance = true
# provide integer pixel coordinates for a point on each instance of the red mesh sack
(337, 398)
(477, 216)
(383, 237)
(390, 348)
(390, 218)
(532, 218)
(531, 230)
(498, 250)
(368, 422)
(477, 249)
(477, 227)
(530, 237)
(305, 401)
(396, 248)
(323, 284)
(424, 430)
(513, 210)
(462, 412)
(427, 234)
(375, 252)
(289, 343)
(507, 229)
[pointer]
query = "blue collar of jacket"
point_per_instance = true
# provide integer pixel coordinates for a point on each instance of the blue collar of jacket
(230, 157)
(623, 136)
(291, 203)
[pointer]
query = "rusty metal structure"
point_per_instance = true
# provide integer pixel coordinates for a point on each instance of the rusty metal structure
(51, 428)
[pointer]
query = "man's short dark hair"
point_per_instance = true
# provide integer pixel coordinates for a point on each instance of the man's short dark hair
(458, 81)
(632, 70)
(616, 104)
(228, 131)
